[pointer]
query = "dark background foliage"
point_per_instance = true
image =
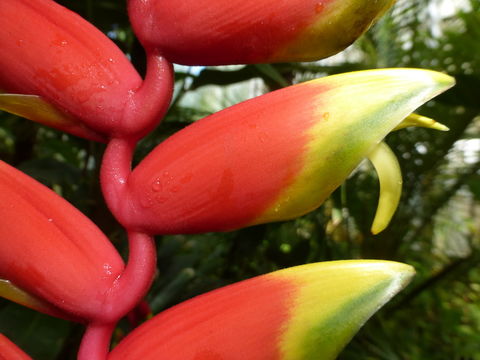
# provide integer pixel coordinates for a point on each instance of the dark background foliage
(436, 227)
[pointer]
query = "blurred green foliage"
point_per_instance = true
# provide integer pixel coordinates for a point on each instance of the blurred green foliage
(436, 228)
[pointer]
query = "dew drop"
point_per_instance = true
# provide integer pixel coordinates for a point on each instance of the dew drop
(326, 116)
(108, 269)
(157, 185)
(319, 7)
(64, 42)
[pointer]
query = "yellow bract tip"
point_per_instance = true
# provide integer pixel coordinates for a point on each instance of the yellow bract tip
(333, 300)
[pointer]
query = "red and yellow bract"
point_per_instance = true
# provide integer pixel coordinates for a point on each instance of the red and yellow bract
(218, 32)
(304, 312)
(274, 157)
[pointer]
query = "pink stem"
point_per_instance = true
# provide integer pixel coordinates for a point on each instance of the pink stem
(95, 343)
(127, 291)
(148, 104)
(114, 173)
(145, 108)
(130, 288)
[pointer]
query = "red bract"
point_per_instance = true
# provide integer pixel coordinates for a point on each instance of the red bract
(274, 157)
(51, 250)
(218, 32)
(48, 51)
(304, 312)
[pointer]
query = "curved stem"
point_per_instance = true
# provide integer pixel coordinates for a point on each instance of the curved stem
(129, 289)
(134, 282)
(126, 292)
(114, 173)
(148, 104)
(95, 343)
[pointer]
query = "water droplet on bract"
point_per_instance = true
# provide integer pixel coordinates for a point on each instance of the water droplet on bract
(319, 7)
(50, 220)
(110, 60)
(108, 269)
(64, 42)
(157, 185)
(326, 116)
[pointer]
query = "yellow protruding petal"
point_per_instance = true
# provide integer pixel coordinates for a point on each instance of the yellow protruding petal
(421, 121)
(35, 108)
(390, 178)
(15, 294)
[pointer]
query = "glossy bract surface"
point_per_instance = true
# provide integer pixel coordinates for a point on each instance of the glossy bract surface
(217, 32)
(304, 312)
(62, 61)
(275, 157)
(51, 250)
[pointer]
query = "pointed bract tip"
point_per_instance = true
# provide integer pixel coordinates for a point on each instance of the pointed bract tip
(334, 300)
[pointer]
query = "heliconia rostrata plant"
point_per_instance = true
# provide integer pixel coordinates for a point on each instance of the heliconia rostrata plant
(272, 158)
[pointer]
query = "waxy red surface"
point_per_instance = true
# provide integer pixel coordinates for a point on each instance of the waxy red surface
(222, 32)
(223, 171)
(52, 52)
(237, 322)
(51, 250)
